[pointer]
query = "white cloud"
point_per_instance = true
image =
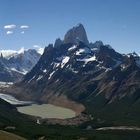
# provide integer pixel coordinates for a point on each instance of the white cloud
(9, 32)
(36, 46)
(24, 26)
(10, 26)
(22, 32)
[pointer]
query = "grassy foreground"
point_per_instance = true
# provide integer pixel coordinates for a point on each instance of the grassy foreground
(9, 136)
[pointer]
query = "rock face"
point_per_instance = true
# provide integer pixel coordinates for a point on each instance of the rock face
(76, 34)
(58, 42)
(96, 45)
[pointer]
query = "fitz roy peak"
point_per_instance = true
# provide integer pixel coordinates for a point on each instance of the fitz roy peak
(75, 34)
(93, 74)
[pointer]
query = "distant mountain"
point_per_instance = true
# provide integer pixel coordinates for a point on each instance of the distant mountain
(93, 74)
(15, 64)
(10, 53)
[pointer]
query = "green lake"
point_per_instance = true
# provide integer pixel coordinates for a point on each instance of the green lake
(47, 111)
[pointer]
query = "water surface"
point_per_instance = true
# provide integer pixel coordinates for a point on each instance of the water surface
(47, 111)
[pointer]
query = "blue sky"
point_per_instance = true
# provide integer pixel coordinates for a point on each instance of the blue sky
(115, 22)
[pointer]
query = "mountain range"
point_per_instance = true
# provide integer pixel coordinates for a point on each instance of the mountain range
(15, 64)
(105, 82)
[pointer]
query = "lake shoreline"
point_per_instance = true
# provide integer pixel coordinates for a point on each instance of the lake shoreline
(65, 102)
(58, 102)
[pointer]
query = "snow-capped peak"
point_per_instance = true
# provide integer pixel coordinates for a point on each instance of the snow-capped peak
(134, 54)
(20, 61)
(8, 53)
(40, 50)
(21, 51)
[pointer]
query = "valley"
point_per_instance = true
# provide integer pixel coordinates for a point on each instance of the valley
(74, 90)
(69, 70)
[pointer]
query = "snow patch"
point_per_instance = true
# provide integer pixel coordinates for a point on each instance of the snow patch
(51, 74)
(56, 65)
(8, 53)
(107, 69)
(83, 51)
(72, 48)
(22, 72)
(65, 61)
(122, 67)
(74, 71)
(39, 49)
(40, 77)
(45, 71)
(21, 51)
(31, 79)
(95, 49)
(86, 60)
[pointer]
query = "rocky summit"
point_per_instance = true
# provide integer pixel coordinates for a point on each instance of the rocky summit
(76, 34)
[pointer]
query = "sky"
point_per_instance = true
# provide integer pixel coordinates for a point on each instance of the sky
(30, 23)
